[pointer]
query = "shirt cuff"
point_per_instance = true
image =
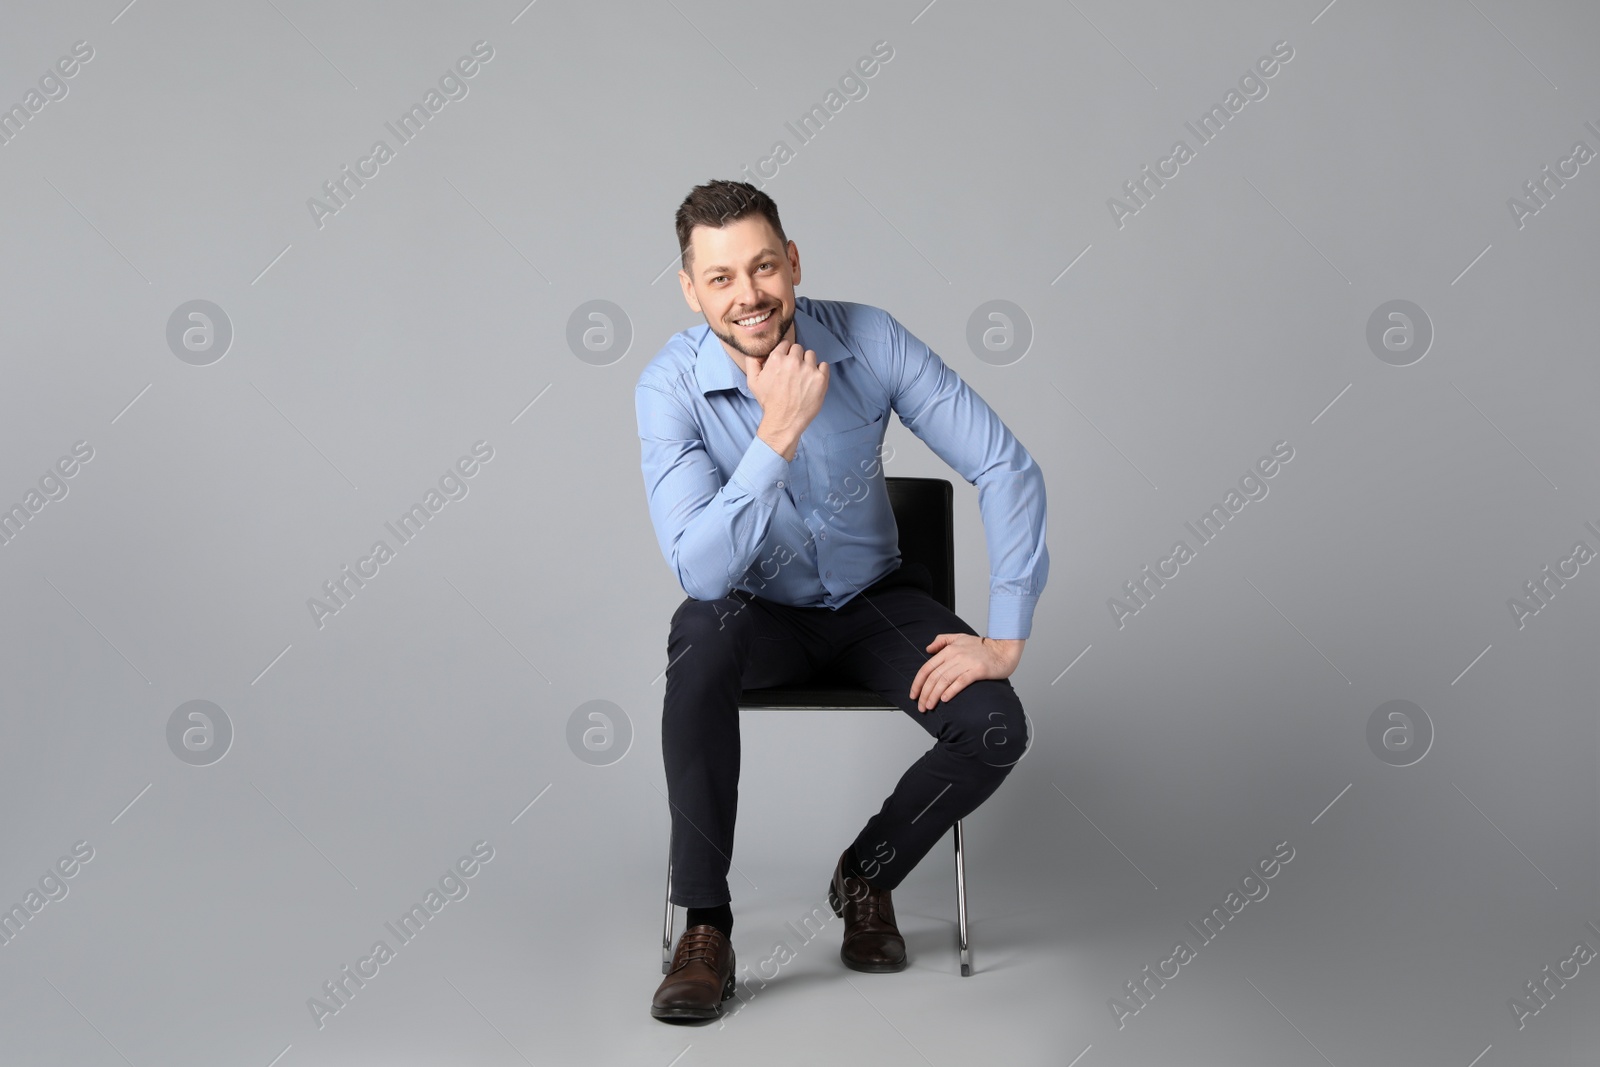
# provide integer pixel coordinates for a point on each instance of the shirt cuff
(1011, 617)
(762, 472)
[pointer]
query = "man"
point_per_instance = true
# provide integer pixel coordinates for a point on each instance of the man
(761, 434)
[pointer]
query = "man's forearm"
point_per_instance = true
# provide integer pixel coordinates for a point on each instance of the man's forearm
(718, 545)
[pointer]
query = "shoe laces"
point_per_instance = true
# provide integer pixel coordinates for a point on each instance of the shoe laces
(869, 905)
(697, 944)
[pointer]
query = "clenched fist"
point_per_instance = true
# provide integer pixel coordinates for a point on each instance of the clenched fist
(790, 386)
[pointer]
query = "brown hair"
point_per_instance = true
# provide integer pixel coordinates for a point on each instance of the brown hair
(718, 203)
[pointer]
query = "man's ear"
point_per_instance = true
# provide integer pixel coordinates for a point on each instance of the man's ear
(688, 292)
(794, 261)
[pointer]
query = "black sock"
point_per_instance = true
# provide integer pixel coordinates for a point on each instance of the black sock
(720, 916)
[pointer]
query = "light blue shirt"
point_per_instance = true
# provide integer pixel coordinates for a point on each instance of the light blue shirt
(730, 512)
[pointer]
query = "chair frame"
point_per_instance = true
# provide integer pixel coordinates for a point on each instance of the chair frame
(933, 544)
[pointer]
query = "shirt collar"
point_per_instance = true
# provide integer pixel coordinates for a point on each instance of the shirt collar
(714, 369)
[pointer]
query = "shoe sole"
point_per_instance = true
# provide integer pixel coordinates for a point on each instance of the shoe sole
(696, 1013)
(837, 904)
(873, 968)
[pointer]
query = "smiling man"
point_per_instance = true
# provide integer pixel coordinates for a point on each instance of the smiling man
(762, 434)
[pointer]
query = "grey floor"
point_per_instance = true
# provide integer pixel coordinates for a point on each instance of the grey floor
(1417, 902)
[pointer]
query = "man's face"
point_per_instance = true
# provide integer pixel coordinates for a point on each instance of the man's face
(738, 273)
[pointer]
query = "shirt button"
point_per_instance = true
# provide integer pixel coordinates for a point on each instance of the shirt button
(780, 485)
(830, 574)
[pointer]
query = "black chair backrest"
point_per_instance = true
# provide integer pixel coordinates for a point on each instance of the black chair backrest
(924, 511)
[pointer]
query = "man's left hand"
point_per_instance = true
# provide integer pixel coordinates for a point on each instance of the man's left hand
(960, 659)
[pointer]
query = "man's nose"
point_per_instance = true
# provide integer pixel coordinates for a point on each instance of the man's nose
(747, 291)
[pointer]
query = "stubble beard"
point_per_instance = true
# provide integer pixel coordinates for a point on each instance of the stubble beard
(733, 340)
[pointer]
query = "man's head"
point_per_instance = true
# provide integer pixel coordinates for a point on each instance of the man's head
(737, 265)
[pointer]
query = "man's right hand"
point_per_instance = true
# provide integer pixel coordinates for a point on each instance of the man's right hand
(789, 385)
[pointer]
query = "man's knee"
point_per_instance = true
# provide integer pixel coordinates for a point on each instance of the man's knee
(993, 729)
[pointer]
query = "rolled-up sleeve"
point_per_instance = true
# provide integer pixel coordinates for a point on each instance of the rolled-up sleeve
(954, 421)
(710, 533)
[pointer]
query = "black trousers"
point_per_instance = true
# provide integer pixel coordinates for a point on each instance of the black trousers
(878, 639)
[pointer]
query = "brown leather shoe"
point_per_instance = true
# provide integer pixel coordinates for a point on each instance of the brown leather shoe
(701, 977)
(872, 941)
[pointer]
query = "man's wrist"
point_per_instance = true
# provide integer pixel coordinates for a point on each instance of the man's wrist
(784, 444)
(1011, 647)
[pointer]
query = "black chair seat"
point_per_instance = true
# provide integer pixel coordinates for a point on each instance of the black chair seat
(821, 693)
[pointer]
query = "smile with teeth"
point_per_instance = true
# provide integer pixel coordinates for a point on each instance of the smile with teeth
(757, 321)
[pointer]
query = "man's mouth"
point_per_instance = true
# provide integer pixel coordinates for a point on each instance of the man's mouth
(755, 323)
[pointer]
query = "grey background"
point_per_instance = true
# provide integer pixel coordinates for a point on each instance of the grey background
(430, 313)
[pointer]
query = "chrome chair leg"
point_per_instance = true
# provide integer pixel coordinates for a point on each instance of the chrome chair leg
(666, 924)
(961, 906)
